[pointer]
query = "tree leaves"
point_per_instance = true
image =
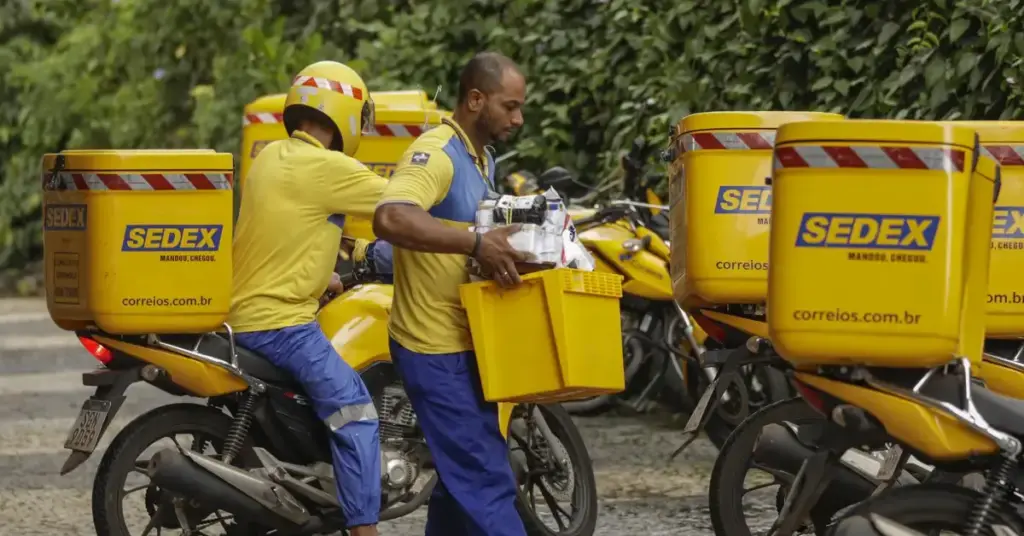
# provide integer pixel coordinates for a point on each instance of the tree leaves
(81, 74)
(957, 29)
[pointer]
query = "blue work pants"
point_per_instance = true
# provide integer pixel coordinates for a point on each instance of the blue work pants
(341, 400)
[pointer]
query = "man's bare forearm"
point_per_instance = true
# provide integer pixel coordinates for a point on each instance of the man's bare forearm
(410, 227)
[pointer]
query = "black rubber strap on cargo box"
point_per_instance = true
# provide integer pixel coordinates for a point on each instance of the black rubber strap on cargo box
(56, 182)
(998, 184)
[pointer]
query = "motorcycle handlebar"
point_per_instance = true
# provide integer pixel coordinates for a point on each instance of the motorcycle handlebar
(613, 211)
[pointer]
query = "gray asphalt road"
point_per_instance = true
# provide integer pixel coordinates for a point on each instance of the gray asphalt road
(642, 493)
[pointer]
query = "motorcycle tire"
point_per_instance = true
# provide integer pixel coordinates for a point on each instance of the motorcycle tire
(927, 508)
(584, 520)
(589, 407)
(731, 466)
(119, 459)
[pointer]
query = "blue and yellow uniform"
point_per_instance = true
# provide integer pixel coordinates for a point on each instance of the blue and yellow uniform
(285, 247)
(432, 348)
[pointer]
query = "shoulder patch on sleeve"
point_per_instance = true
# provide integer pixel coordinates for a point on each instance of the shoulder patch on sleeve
(419, 158)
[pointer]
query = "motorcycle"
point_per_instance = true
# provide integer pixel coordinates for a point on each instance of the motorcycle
(942, 426)
(837, 438)
(270, 465)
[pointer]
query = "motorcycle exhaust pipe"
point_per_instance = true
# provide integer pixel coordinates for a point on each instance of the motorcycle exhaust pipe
(227, 488)
(777, 448)
(874, 525)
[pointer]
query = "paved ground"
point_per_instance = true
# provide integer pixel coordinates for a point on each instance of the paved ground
(40, 394)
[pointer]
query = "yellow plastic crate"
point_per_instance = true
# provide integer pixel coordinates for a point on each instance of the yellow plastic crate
(1003, 141)
(138, 241)
(555, 337)
(879, 239)
(401, 116)
(723, 161)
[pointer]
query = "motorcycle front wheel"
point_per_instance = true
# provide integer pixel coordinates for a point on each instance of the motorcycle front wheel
(557, 489)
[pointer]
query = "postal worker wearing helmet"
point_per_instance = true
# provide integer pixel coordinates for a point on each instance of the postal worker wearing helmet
(286, 242)
(430, 202)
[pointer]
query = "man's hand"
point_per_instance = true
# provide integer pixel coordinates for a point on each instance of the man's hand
(497, 256)
(333, 289)
(335, 285)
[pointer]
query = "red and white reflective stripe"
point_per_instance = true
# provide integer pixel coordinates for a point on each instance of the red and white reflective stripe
(264, 118)
(389, 129)
(146, 181)
(1006, 155)
(324, 83)
(399, 130)
(729, 140)
(869, 157)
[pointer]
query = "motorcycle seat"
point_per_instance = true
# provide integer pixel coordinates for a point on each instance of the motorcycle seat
(1002, 412)
(216, 345)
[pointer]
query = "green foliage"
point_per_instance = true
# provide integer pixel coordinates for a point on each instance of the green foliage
(146, 73)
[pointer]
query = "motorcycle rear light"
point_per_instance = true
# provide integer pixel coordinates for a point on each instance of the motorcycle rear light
(100, 352)
(715, 331)
(811, 396)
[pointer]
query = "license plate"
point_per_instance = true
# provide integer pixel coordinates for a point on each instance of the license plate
(85, 433)
(890, 463)
(693, 424)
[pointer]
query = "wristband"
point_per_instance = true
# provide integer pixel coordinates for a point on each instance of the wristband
(476, 245)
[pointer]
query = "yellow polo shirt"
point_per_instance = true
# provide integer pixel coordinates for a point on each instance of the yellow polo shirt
(442, 174)
(285, 248)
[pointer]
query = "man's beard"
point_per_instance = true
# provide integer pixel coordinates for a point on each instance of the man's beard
(484, 127)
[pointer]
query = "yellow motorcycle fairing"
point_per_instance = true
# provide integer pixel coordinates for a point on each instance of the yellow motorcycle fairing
(201, 379)
(657, 246)
(653, 199)
(932, 432)
(746, 325)
(356, 322)
(646, 274)
(578, 213)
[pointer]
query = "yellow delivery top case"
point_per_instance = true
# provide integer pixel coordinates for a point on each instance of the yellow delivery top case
(138, 241)
(722, 228)
(879, 243)
(1003, 141)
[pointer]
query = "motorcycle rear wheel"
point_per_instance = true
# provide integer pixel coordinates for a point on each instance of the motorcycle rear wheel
(926, 508)
(775, 388)
(120, 460)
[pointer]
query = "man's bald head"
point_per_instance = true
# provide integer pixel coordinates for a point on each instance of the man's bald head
(484, 73)
(492, 91)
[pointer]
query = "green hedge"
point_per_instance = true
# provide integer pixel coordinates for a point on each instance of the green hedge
(149, 73)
